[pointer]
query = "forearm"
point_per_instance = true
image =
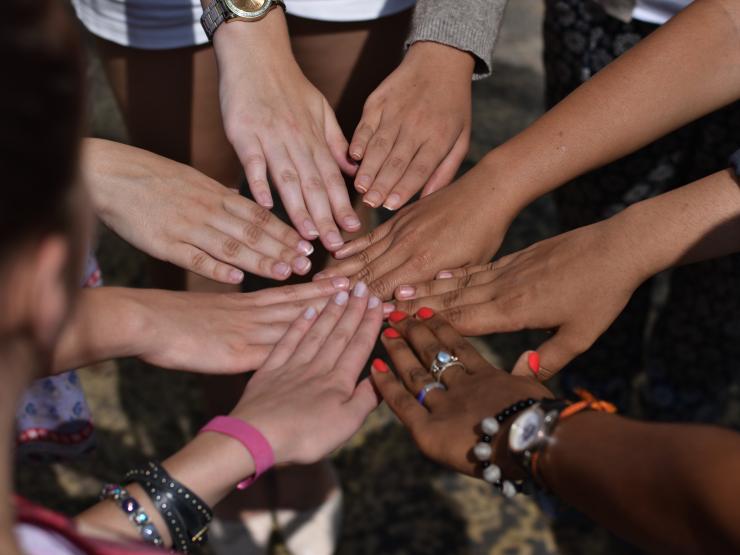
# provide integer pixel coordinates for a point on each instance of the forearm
(667, 488)
(677, 74)
(692, 223)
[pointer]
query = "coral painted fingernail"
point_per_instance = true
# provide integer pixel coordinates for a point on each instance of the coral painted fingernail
(391, 333)
(392, 202)
(397, 316)
(380, 366)
(236, 276)
(444, 275)
(534, 362)
(309, 313)
(425, 313)
(341, 298)
(339, 282)
(305, 247)
(373, 302)
(406, 291)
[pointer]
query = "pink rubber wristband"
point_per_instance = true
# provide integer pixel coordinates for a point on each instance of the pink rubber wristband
(252, 440)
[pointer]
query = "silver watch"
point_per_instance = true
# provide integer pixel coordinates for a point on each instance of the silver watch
(531, 430)
(221, 11)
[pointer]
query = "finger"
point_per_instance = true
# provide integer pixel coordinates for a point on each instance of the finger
(388, 272)
(422, 291)
(344, 330)
(482, 319)
(256, 239)
(415, 176)
(337, 142)
(450, 337)
(362, 135)
(252, 159)
(555, 353)
(363, 243)
(316, 197)
(242, 208)
(286, 179)
(354, 357)
(283, 313)
(377, 152)
(362, 266)
(363, 401)
(412, 372)
(336, 189)
(287, 345)
(466, 271)
(392, 170)
(315, 339)
(447, 169)
(292, 293)
(399, 399)
(227, 249)
(196, 260)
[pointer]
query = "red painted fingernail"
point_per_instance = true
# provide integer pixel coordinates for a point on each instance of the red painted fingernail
(380, 366)
(390, 333)
(397, 316)
(425, 313)
(534, 362)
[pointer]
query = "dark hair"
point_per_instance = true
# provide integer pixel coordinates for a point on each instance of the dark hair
(41, 109)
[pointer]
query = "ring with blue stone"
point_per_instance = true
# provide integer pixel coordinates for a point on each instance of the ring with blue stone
(442, 361)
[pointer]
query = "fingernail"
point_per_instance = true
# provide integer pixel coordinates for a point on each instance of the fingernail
(391, 333)
(309, 313)
(341, 298)
(406, 291)
(397, 316)
(352, 221)
(310, 228)
(305, 247)
(302, 264)
(380, 366)
(265, 200)
(444, 275)
(356, 155)
(425, 313)
(363, 181)
(373, 199)
(360, 289)
(340, 282)
(334, 239)
(373, 302)
(534, 362)
(388, 308)
(393, 201)
(236, 276)
(281, 268)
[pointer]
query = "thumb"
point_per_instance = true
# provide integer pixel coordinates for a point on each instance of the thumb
(549, 359)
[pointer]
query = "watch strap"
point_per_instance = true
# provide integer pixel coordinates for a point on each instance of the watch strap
(217, 13)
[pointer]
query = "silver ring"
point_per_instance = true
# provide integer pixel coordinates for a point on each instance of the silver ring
(427, 388)
(442, 362)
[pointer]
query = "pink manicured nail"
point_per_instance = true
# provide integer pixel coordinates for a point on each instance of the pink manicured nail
(311, 230)
(302, 264)
(282, 269)
(373, 302)
(352, 222)
(341, 298)
(388, 308)
(265, 200)
(305, 247)
(360, 289)
(309, 313)
(236, 276)
(444, 275)
(393, 202)
(363, 181)
(340, 282)
(334, 239)
(372, 199)
(406, 291)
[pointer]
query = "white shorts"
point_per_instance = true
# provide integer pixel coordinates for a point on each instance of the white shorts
(162, 24)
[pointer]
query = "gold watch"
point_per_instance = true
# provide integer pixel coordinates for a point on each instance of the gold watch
(221, 11)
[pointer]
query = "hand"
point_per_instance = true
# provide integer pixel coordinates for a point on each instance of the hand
(175, 213)
(305, 398)
(453, 227)
(223, 333)
(415, 128)
(446, 427)
(277, 120)
(576, 284)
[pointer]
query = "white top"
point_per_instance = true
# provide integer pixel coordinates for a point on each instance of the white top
(38, 541)
(161, 24)
(658, 11)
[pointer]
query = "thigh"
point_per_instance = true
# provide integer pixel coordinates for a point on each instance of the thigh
(347, 61)
(170, 103)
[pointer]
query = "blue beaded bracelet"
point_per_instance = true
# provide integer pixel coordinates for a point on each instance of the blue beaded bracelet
(133, 511)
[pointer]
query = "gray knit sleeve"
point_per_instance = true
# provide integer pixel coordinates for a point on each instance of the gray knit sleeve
(469, 25)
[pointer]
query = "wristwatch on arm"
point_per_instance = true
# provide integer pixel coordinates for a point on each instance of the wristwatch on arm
(222, 11)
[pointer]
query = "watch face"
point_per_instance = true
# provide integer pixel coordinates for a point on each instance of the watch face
(524, 430)
(249, 8)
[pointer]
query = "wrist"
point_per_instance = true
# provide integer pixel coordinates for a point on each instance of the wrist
(435, 55)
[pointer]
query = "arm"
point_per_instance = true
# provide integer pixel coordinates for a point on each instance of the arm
(668, 488)
(307, 388)
(279, 122)
(235, 332)
(175, 213)
(415, 127)
(577, 283)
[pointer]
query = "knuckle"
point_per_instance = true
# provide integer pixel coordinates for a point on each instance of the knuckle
(230, 247)
(418, 374)
(397, 162)
(313, 184)
(288, 177)
(365, 274)
(420, 170)
(421, 260)
(452, 298)
(380, 142)
(454, 315)
(254, 161)
(198, 261)
(463, 281)
(261, 216)
(252, 234)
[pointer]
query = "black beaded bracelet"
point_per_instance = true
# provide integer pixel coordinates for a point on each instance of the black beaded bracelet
(187, 516)
(133, 511)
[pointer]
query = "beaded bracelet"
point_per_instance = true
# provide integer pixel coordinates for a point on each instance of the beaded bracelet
(133, 511)
(187, 516)
(483, 451)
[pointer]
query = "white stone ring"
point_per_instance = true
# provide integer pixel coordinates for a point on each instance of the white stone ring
(442, 362)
